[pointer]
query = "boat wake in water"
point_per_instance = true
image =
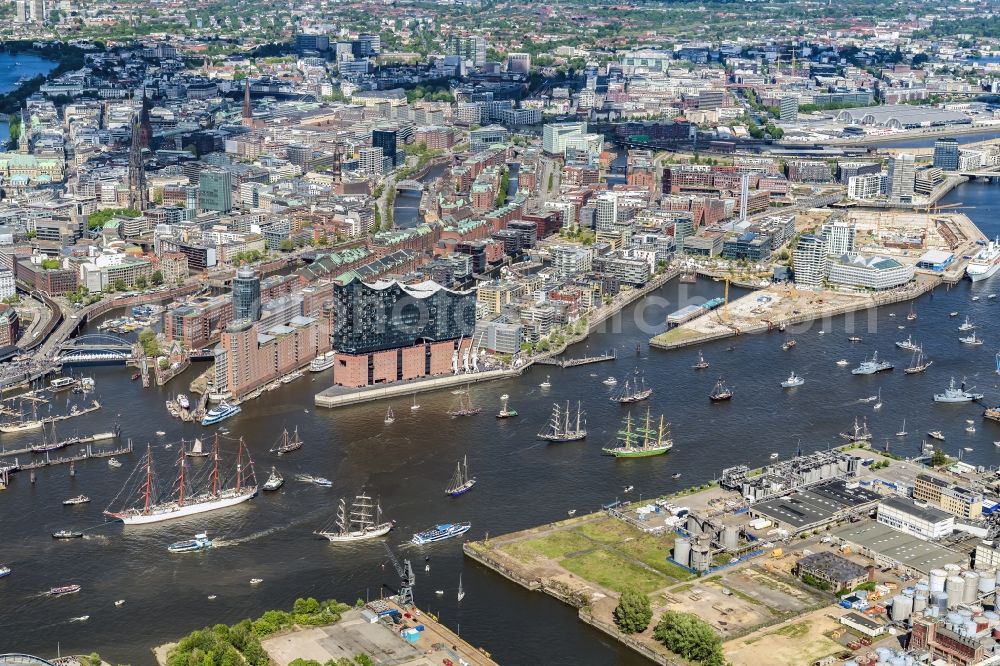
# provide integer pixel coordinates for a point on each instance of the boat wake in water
(222, 543)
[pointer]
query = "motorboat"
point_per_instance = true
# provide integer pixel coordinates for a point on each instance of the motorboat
(610, 381)
(793, 381)
(843, 362)
(79, 499)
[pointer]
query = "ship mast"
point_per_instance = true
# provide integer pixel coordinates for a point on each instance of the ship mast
(578, 411)
(239, 465)
(342, 516)
(181, 481)
(147, 488)
(659, 439)
(215, 466)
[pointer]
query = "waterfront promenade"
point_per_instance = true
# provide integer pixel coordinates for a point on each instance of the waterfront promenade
(341, 396)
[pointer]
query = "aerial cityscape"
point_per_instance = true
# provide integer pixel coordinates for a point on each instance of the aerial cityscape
(480, 332)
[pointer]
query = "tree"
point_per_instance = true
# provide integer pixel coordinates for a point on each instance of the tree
(140, 282)
(50, 264)
(363, 660)
(938, 458)
(690, 637)
(633, 612)
(157, 278)
(286, 245)
(120, 285)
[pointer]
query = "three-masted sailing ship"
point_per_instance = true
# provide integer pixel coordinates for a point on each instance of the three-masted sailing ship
(286, 444)
(643, 441)
(363, 521)
(461, 482)
(561, 427)
(634, 390)
(186, 498)
(861, 433)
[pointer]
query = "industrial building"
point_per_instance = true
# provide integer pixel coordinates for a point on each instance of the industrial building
(957, 500)
(888, 547)
(902, 116)
(838, 572)
(920, 520)
(780, 477)
(819, 505)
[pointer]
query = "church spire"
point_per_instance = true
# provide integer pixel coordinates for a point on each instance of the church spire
(247, 109)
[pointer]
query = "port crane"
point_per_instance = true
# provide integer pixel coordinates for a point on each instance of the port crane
(406, 577)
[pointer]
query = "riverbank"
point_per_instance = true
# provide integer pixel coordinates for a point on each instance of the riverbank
(780, 306)
(67, 57)
(340, 396)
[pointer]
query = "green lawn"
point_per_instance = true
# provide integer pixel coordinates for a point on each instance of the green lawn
(653, 551)
(554, 546)
(612, 571)
(607, 530)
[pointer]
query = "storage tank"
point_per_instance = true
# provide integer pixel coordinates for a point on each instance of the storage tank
(987, 582)
(941, 601)
(955, 587)
(701, 558)
(952, 569)
(919, 602)
(682, 551)
(965, 614)
(992, 618)
(954, 618)
(937, 579)
(902, 607)
(730, 537)
(969, 628)
(971, 586)
(693, 525)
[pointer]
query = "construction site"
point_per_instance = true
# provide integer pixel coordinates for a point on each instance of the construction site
(905, 236)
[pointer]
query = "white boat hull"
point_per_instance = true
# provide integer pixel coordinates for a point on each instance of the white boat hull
(172, 511)
(21, 427)
(977, 272)
(377, 531)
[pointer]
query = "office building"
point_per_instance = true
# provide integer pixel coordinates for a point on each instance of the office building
(839, 237)
(483, 138)
(789, 109)
(606, 211)
(318, 43)
(920, 520)
(389, 331)
(300, 155)
(946, 154)
(386, 140)
(570, 260)
(810, 261)
(471, 48)
(868, 272)
(366, 45)
(518, 63)
(957, 500)
(864, 186)
(215, 190)
(7, 287)
(748, 246)
(902, 176)
(246, 295)
(556, 135)
(370, 160)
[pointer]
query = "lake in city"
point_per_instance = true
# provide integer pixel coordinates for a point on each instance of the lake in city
(13, 68)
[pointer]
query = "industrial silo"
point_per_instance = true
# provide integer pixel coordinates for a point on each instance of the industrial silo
(987, 582)
(937, 579)
(955, 587)
(971, 587)
(730, 537)
(902, 607)
(920, 601)
(682, 551)
(701, 557)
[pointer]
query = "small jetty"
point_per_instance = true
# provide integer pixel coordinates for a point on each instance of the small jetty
(88, 453)
(95, 405)
(572, 362)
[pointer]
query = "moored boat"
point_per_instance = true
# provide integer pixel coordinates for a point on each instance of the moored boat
(323, 362)
(985, 263)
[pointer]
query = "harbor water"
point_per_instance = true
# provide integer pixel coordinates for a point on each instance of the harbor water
(522, 482)
(13, 68)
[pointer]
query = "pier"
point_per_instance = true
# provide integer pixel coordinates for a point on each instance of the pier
(573, 362)
(86, 455)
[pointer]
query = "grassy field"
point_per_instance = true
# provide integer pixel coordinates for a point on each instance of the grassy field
(675, 335)
(609, 569)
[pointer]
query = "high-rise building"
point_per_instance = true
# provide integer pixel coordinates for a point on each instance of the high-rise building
(555, 135)
(471, 48)
(386, 140)
(215, 190)
(299, 154)
(946, 154)
(370, 160)
(789, 109)
(811, 261)
(606, 212)
(367, 45)
(839, 237)
(246, 295)
(902, 175)
(137, 194)
(519, 63)
(304, 42)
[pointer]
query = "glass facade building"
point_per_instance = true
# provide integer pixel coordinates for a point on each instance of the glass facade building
(389, 315)
(946, 154)
(246, 295)
(215, 190)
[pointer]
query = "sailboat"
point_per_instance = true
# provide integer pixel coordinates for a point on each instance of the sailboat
(878, 400)
(860, 432)
(414, 407)
(902, 430)
(461, 591)
(362, 522)
(197, 450)
(702, 363)
(720, 392)
(461, 482)
(147, 507)
(286, 444)
(559, 428)
(918, 363)
(465, 408)
(633, 391)
(644, 441)
(912, 315)
(389, 416)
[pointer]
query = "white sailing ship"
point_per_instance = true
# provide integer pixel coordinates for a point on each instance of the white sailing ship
(363, 521)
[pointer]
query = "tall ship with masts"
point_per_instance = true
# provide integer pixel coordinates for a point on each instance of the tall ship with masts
(919, 363)
(187, 496)
(461, 482)
(286, 443)
(563, 427)
(634, 390)
(643, 440)
(861, 433)
(363, 521)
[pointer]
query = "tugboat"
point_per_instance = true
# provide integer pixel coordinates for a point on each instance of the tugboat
(971, 339)
(560, 429)
(872, 366)
(274, 481)
(957, 394)
(908, 344)
(505, 412)
(720, 392)
(461, 482)
(363, 521)
(66, 534)
(793, 381)
(644, 441)
(199, 542)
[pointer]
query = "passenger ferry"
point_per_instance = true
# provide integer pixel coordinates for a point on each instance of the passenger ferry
(985, 263)
(440, 533)
(220, 413)
(321, 363)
